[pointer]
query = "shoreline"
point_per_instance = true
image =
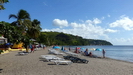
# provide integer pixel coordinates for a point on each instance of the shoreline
(129, 61)
(31, 65)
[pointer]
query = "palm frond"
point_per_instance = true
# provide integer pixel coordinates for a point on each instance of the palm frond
(13, 16)
(1, 7)
(22, 14)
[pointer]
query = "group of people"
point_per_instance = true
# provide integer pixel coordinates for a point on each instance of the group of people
(90, 53)
(86, 53)
(32, 47)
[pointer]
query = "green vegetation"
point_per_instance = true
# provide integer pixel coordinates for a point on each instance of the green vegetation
(56, 38)
(2, 4)
(22, 29)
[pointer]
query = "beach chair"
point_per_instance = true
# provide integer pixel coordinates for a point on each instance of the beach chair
(76, 59)
(53, 51)
(22, 53)
(72, 54)
(50, 57)
(44, 56)
(58, 62)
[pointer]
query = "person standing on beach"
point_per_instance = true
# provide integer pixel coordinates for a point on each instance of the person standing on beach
(76, 51)
(32, 49)
(103, 51)
(69, 49)
(44, 46)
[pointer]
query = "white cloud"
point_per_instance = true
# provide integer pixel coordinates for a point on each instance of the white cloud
(90, 30)
(96, 21)
(124, 22)
(87, 29)
(111, 31)
(60, 23)
(108, 15)
(123, 41)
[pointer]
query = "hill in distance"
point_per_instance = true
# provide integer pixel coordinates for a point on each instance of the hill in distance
(59, 38)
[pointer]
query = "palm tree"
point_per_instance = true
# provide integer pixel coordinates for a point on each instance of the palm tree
(21, 17)
(29, 29)
(2, 4)
(34, 30)
(23, 24)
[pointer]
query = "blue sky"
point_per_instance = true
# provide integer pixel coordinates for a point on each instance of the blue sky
(110, 20)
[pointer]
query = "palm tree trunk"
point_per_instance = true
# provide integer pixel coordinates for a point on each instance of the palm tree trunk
(48, 41)
(27, 48)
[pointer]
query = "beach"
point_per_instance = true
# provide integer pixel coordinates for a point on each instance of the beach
(30, 64)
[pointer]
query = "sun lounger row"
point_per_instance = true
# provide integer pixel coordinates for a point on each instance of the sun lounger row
(23, 53)
(53, 51)
(76, 59)
(55, 59)
(50, 57)
(57, 62)
(71, 53)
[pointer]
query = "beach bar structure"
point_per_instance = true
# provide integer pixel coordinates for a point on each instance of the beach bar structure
(2, 42)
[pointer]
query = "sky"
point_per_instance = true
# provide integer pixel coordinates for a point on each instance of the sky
(110, 20)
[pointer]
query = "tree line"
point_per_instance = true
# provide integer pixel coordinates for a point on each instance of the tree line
(59, 38)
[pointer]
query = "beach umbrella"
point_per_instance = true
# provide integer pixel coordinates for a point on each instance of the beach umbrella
(98, 49)
(82, 48)
(92, 49)
(8, 43)
(56, 47)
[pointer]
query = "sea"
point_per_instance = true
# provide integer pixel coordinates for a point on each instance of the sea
(118, 52)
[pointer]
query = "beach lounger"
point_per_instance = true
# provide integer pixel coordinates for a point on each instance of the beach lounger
(76, 59)
(53, 51)
(22, 53)
(50, 57)
(72, 54)
(58, 62)
(44, 56)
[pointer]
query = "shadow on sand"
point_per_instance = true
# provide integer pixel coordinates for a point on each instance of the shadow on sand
(1, 70)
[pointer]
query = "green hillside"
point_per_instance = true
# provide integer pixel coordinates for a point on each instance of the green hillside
(56, 38)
